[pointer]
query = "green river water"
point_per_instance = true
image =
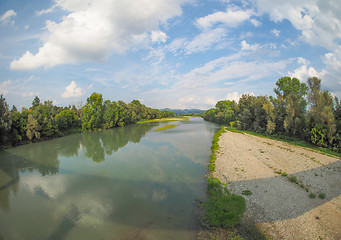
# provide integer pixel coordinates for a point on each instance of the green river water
(122, 183)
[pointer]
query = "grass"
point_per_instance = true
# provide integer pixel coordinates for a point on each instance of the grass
(214, 147)
(312, 195)
(165, 120)
(293, 179)
(322, 195)
(222, 209)
(169, 126)
(247, 192)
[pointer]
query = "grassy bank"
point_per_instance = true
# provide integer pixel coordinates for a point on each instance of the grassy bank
(165, 119)
(169, 126)
(222, 210)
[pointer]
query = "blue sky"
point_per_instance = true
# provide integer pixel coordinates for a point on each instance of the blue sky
(165, 53)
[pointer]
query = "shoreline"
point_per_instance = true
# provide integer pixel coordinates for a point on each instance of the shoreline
(308, 207)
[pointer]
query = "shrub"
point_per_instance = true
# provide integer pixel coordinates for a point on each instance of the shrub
(322, 195)
(293, 179)
(312, 195)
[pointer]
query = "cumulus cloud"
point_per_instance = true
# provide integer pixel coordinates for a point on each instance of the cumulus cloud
(231, 18)
(93, 30)
(318, 20)
(158, 36)
(72, 91)
(7, 17)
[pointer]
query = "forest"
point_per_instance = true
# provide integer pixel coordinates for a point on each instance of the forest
(298, 110)
(44, 120)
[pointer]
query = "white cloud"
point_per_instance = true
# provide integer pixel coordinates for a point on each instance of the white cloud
(158, 36)
(72, 91)
(231, 18)
(205, 40)
(318, 20)
(275, 32)
(233, 96)
(248, 47)
(255, 22)
(93, 30)
(330, 74)
(5, 87)
(7, 16)
(304, 72)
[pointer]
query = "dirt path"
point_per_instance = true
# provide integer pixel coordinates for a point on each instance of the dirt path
(283, 208)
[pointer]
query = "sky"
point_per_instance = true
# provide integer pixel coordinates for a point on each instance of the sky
(164, 53)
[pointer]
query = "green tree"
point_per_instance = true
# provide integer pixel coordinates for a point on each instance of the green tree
(5, 121)
(93, 112)
(111, 114)
(321, 112)
(32, 128)
(66, 119)
(290, 106)
(35, 102)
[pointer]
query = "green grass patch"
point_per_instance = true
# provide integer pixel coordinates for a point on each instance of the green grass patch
(214, 147)
(247, 192)
(322, 195)
(293, 179)
(169, 126)
(165, 120)
(284, 174)
(222, 209)
(312, 195)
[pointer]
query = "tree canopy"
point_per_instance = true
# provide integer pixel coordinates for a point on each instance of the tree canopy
(299, 110)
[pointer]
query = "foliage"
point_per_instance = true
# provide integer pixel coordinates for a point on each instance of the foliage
(299, 110)
(44, 120)
(32, 128)
(5, 121)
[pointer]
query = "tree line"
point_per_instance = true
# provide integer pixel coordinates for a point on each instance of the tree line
(298, 109)
(44, 120)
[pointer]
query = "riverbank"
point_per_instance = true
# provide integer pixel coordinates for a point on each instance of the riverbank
(291, 192)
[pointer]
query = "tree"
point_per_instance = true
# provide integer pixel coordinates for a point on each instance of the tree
(321, 113)
(290, 105)
(93, 112)
(5, 121)
(35, 102)
(32, 128)
(111, 114)
(66, 119)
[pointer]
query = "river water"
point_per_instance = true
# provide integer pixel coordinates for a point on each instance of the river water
(122, 183)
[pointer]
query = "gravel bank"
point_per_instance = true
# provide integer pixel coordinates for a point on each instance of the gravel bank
(283, 208)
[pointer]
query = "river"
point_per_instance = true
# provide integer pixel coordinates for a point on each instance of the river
(123, 183)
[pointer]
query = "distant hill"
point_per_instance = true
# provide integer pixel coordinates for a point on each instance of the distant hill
(184, 111)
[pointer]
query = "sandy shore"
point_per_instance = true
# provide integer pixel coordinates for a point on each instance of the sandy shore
(283, 208)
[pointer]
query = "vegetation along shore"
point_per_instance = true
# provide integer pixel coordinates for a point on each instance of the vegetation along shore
(291, 192)
(44, 120)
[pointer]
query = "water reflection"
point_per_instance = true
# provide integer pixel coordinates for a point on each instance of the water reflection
(138, 191)
(99, 144)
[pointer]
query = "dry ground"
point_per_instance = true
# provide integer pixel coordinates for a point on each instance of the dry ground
(280, 207)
